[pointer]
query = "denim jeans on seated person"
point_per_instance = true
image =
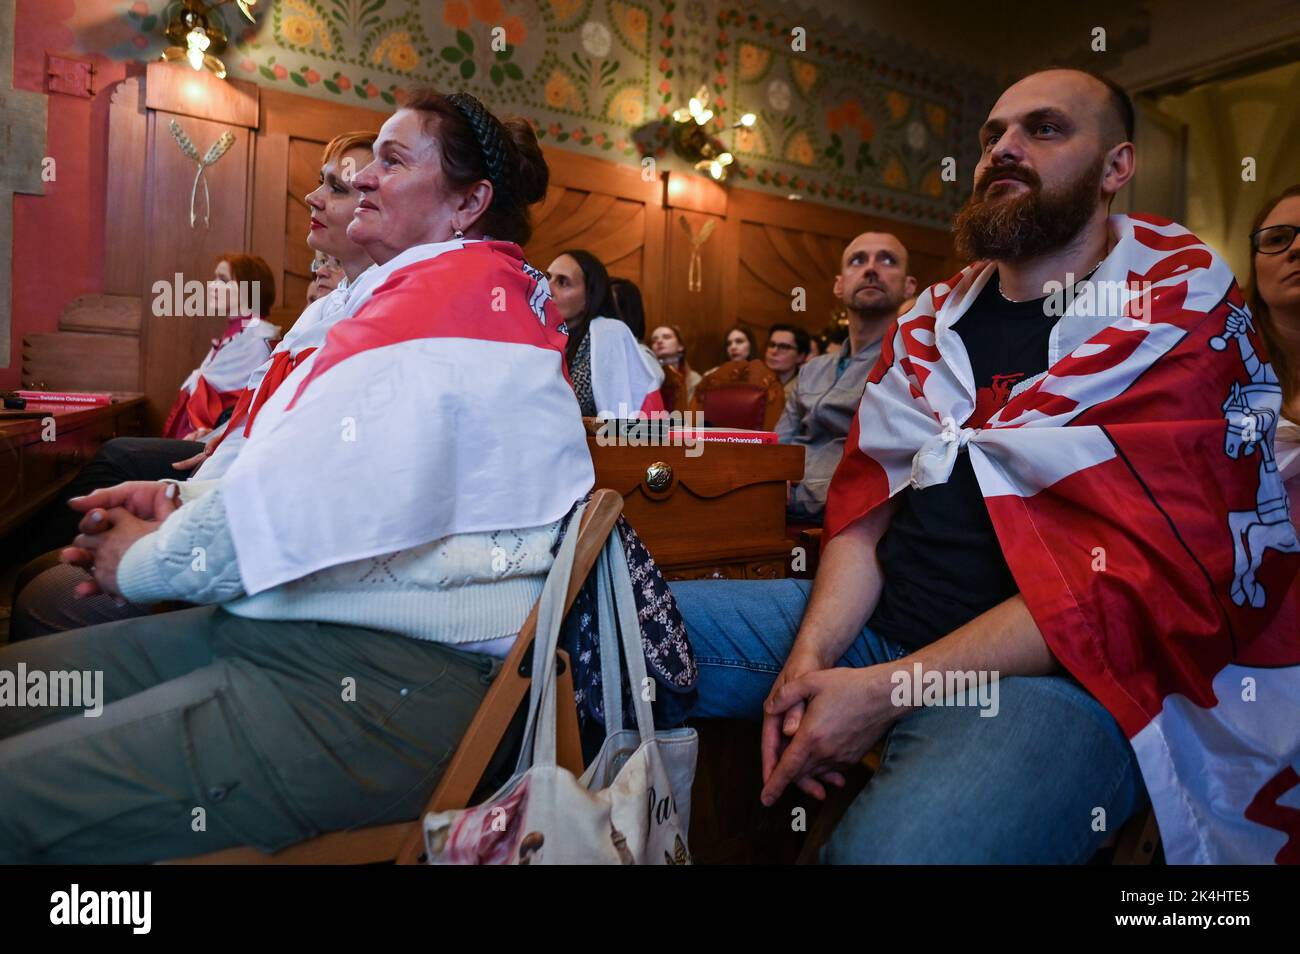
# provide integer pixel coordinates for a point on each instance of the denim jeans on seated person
(953, 787)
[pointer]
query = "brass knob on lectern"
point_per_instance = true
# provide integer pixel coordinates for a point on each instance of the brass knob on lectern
(658, 476)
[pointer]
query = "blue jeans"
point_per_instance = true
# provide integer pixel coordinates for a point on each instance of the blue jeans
(1023, 787)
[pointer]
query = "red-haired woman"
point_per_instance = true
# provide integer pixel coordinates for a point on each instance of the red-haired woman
(243, 290)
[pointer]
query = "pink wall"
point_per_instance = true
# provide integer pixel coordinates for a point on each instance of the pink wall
(58, 237)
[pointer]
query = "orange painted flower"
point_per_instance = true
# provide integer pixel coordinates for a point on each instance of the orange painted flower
(866, 130)
(835, 119)
(455, 14)
(933, 184)
(486, 11)
(894, 175)
(753, 61)
(937, 117)
(516, 32)
(898, 105)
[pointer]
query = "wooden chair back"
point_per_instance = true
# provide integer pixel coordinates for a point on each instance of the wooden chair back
(403, 842)
(742, 394)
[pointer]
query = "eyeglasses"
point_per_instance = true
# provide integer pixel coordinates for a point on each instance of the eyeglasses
(1274, 240)
(779, 346)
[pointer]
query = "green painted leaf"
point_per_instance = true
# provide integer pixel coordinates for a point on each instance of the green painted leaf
(561, 137)
(513, 71)
(467, 69)
(503, 55)
(148, 23)
(388, 98)
(298, 78)
(360, 90)
(332, 86)
(465, 41)
(496, 74)
(451, 54)
(269, 74)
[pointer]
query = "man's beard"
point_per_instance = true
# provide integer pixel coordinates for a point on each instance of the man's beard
(885, 304)
(1020, 227)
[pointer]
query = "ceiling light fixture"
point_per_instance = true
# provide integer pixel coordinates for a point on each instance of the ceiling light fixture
(694, 144)
(198, 36)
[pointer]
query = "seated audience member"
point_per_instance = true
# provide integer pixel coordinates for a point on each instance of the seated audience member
(326, 272)
(347, 568)
(629, 307)
(612, 375)
(787, 350)
(46, 603)
(242, 292)
(667, 343)
(738, 345)
(836, 333)
(873, 280)
(1275, 303)
(816, 347)
(994, 460)
(630, 310)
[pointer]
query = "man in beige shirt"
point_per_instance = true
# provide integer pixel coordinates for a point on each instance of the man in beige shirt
(873, 283)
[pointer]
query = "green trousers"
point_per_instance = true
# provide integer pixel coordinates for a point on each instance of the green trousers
(219, 731)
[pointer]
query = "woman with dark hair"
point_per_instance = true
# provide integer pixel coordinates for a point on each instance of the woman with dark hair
(242, 291)
(1275, 304)
(629, 306)
(611, 374)
(353, 604)
(670, 348)
(739, 344)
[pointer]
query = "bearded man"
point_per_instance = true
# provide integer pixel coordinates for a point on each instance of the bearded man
(1067, 524)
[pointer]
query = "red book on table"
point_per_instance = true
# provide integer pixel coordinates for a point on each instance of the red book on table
(66, 397)
(724, 435)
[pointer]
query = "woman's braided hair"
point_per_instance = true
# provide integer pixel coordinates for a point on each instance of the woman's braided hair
(475, 146)
(491, 142)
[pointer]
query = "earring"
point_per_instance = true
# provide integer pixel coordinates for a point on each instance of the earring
(457, 233)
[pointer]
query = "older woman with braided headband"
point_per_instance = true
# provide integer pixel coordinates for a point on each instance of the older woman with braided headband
(362, 566)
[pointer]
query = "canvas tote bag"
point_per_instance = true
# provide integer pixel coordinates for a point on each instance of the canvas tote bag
(632, 804)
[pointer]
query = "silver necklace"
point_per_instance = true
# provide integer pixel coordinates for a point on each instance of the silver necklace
(1019, 301)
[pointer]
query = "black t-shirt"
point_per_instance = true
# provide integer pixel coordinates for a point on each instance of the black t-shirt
(941, 559)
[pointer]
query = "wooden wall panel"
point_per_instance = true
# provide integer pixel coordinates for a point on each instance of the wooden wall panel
(700, 314)
(174, 345)
(610, 211)
(125, 188)
(175, 88)
(782, 244)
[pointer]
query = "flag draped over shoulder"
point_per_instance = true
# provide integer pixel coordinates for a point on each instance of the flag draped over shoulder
(440, 406)
(215, 384)
(1138, 502)
(307, 334)
(623, 382)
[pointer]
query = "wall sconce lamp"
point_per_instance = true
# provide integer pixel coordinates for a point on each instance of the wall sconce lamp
(693, 143)
(198, 38)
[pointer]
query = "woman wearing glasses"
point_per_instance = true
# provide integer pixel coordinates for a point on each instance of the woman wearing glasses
(1275, 303)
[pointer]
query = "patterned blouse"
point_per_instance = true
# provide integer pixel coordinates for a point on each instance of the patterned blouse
(580, 374)
(669, 658)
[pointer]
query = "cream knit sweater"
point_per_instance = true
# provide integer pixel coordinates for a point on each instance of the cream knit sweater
(473, 590)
